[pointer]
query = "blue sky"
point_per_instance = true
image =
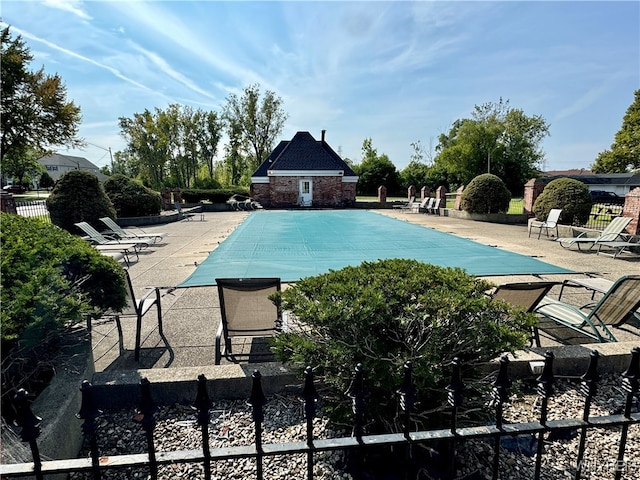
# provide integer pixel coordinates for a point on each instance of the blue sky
(396, 72)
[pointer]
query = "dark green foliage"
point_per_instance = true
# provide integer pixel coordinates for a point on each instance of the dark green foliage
(486, 193)
(130, 198)
(78, 197)
(572, 196)
(385, 313)
(51, 278)
(219, 195)
(46, 181)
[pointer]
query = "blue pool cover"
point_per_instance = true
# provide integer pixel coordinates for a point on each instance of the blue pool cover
(295, 244)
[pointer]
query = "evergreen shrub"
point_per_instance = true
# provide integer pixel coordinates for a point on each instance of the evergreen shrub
(78, 197)
(571, 195)
(486, 193)
(383, 314)
(50, 281)
(130, 198)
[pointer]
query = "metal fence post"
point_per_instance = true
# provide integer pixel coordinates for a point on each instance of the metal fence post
(454, 398)
(408, 394)
(257, 400)
(89, 413)
(499, 395)
(145, 418)
(630, 384)
(310, 397)
(588, 388)
(358, 396)
(545, 390)
(30, 428)
(203, 405)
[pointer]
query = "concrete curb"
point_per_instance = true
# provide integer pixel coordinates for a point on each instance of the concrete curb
(120, 389)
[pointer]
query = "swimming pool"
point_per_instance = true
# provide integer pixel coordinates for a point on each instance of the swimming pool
(293, 244)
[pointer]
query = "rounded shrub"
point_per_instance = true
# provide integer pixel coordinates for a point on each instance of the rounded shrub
(78, 197)
(486, 193)
(51, 280)
(383, 314)
(571, 195)
(130, 198)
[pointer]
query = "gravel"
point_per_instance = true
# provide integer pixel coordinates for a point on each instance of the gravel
(231, 425)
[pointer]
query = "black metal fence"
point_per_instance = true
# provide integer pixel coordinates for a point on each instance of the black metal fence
(34, 208)
(359, 444)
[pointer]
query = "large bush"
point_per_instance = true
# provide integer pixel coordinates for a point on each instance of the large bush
(50, 281)
(130, 198)
(385, 313)
(486, 193)
(572, 196)
(78, 197)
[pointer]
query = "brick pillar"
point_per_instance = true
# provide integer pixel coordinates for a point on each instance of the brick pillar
(459, 197)
(632, 209)
(8, 203)
(411, 192)
(165, 195)
(532, 190)
(424, 193)
(441, 193)
(177, 195)
(382, 194)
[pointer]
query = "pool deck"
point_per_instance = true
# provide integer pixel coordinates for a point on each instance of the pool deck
(191, 315)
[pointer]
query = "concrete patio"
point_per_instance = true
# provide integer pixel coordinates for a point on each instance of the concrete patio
(191, 315)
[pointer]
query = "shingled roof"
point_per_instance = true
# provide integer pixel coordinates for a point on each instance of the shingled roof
(303, 153)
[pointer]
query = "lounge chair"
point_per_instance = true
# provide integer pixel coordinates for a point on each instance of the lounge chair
(99, 239)
(550, 222)
(138, 308)
(181, 214)
(435, 207)
(406, 206)
(613, 233)
(526, 295)
(122, 234)
(422, 206)
(246, 311)
(617, 305)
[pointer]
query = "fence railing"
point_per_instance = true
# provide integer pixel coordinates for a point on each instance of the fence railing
(358, 444)
(34, 208)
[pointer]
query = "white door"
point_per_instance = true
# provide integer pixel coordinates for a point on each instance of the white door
(306, 193)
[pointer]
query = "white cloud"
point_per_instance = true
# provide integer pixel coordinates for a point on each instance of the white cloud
(71, 6)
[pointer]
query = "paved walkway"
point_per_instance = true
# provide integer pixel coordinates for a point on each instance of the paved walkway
(191, 316)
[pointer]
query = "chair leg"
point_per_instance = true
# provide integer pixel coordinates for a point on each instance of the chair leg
(136, 353)
(159, 305)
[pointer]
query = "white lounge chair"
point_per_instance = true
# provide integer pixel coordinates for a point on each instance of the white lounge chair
(613, 233)
(122, 234)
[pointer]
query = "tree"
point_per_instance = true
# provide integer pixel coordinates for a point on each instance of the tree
(169, 146)
(496, 139)
(35, 112)
(259, 121)
(624, 154)
(46, 181)
(375, 171)
(23, 167)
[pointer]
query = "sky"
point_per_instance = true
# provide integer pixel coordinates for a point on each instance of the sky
(396, 72)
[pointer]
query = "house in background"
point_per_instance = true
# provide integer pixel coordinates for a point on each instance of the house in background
(618, 183)
(57, 165)
(305, 172)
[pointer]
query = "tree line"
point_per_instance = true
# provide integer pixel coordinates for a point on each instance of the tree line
(179, 145)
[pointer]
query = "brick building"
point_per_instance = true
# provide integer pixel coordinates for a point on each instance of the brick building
(304, 172)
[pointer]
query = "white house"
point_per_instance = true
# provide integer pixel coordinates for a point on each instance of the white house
(57, 165)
